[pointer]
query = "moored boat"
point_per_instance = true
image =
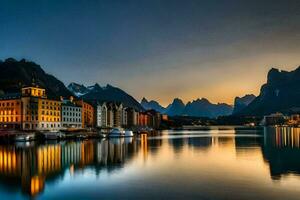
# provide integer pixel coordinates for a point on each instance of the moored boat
(128, 133)
(24, 137)
(53, 135)
(116, 133)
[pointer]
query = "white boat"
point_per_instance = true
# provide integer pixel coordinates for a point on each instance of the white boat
(53, 135)
(24, 137)
(128, 133)
(116, 133)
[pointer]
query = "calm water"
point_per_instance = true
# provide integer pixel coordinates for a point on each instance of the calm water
(175, 165)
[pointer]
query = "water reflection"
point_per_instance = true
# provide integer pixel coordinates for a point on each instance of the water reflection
(281, 149)
(31, 166)
(28, 168)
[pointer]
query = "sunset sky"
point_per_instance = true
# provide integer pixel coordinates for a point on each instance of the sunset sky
(157, 49)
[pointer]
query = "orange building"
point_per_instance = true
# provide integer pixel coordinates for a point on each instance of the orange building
(88, 116)
(10, 112)
(143, 119)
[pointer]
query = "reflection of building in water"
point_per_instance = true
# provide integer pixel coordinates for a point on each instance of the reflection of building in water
(144, 145)
(21, 164)
(287, 137)
(281, 149)
(31, 166)
(48, 159)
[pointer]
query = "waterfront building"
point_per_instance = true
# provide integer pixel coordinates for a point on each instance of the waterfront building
(143, 119)
(88, 120)
(154, 118)
(117, 114)
(101, 115)
(71, 114)
(132, 117)
(111, 115)
(29, 110)
(124, 117)
(274, 119)
(294, 120)
(38, 112)
(114, 114)
(10, 111)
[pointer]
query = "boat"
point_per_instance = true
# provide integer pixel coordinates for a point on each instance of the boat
(82, 136)
(24, 137)
(128, 133)
(116, 133)
(53, 135)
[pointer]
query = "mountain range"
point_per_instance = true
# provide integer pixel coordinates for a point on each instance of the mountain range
(148, 105)
(16, 74)
(197, 108)
(96, 93)
(242, 102)
(281, 93)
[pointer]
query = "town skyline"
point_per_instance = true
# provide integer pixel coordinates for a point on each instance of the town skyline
(159, 49)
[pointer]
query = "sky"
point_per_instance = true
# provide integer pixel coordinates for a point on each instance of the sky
(158, 49)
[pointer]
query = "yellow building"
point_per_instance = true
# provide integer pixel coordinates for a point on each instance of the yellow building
(40, 113)
(49, 115)
(10, 112)
(30, 110)
(34, 92)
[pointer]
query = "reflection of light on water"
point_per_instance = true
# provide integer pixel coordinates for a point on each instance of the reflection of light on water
(49, 159)
(191, 132)
(287, 137)
(36, 185)
(234, 161)
(72, 170)
(144, 145)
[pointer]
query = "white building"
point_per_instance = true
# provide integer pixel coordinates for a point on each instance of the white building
(71, 115)
(111, 115)
(124, 117)
(101, 115)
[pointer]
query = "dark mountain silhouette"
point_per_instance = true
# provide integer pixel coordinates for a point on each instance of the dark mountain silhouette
(148, 105)
(197, 108)
(281, 93)
(96, 93)
(176, 108)
(204, 108)
(16, 74)
(78, 90)
(242, 102)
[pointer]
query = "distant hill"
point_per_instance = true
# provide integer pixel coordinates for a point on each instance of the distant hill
(148, 105)
(198, 108)
(281, 93)
(204, 108)
(96, 93)
(242, 102)
(15, 74)
(176, 108)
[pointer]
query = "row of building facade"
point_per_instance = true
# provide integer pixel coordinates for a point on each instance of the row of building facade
(32, 110)
(281, 119)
